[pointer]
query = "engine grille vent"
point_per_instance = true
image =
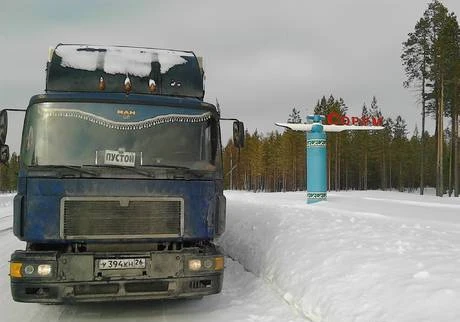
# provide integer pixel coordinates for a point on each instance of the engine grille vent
(107, 217)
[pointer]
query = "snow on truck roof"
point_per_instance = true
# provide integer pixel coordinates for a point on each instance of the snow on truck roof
(120, 60)
(113, 68)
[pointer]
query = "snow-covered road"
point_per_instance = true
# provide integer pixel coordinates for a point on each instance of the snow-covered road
(244, 297)
(359, 257)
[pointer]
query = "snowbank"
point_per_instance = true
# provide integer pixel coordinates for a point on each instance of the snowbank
(361, 256)
(6, 211)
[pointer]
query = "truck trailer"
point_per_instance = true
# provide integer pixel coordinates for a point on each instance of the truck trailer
(120, 187)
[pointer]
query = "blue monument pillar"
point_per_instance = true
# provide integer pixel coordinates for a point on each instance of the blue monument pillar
(316, 152)
(316, 161)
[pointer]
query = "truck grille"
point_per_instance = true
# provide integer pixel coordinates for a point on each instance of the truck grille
(123, 217)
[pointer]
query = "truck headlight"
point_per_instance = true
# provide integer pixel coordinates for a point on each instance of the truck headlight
(207, 264)
(34, 270)
(29, 269)
(44, 270)
(194, 264)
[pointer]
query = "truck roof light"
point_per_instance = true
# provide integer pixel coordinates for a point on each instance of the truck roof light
(101, 84)
(127, 84)
(152, 86)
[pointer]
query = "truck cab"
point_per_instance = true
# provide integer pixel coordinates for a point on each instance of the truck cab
(120, 188)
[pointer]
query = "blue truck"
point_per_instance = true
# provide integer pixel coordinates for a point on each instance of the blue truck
(120, 187)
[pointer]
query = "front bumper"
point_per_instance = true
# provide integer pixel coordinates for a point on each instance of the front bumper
(76, 278)
(49, 292)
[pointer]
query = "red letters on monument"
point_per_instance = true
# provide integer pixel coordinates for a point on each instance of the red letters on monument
(337, 119)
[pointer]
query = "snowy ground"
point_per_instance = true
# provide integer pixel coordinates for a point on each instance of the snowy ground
(362, 256)
(359, 257)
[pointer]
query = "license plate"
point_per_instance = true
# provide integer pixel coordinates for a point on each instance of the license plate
(122, 263)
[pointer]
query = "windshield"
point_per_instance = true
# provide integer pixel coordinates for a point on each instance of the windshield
(99, 134)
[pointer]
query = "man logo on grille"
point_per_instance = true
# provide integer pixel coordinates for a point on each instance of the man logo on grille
(126, 114)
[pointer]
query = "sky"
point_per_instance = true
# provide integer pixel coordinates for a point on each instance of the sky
(262, 58)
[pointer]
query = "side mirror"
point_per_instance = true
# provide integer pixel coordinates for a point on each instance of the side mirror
(238, 134)
(4, 153)
(3, 126)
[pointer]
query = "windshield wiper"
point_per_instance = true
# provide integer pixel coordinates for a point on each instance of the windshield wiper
(165, 166)
(71, 167)
(134, 170)
(189, 171)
